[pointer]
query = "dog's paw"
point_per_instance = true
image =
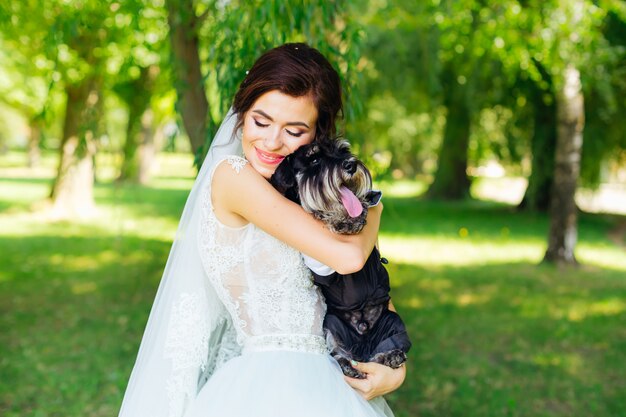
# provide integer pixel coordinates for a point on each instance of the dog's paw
(393, 359)
(347, 369)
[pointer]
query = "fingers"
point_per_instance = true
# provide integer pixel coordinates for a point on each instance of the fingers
(380, 379)
(362, 386)
(365, 367)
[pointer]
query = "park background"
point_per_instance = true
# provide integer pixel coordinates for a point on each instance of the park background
(495, 129)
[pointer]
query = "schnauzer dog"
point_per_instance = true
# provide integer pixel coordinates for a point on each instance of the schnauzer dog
(329, 182)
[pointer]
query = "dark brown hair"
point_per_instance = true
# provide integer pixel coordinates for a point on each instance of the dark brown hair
(295, 69)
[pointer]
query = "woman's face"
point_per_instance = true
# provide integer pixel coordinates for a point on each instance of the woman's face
(275, 126)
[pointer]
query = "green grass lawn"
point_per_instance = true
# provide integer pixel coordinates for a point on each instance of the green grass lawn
(494, 334)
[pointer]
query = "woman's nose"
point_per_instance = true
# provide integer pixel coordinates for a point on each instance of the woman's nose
(273, 141)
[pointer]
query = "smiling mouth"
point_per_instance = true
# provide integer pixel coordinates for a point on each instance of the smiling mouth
(269, 158)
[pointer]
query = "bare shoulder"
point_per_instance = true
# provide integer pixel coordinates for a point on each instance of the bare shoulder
(241, 193)
(232, 177)
(234, 161)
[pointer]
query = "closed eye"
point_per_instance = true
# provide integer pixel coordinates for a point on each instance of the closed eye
(295, 134)
(259, 124)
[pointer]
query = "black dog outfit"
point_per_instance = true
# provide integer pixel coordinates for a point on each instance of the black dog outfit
(358, 316)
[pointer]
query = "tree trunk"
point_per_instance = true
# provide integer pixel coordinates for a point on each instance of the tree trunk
(4, 149)
(192, 101)
(130, 164)
(563, 216)
(34, 138)
(147, 150)
(72, 191)
(537, 195)
(137, 95)
(451, 181)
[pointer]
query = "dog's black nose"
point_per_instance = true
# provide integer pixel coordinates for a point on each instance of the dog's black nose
(349, 166)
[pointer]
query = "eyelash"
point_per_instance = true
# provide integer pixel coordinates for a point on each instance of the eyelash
(295, 135)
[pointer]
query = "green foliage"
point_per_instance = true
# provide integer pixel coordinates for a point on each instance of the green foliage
(418, 53)
(501, 54)
(60, 43)
(236, 33)
(397, 59)
(604, 107)
(581, 34)
(143, 46)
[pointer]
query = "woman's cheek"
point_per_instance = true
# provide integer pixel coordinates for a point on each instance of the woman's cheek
(304, 140)
(250, 133)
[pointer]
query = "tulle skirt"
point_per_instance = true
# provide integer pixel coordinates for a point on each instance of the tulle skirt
(282, 384)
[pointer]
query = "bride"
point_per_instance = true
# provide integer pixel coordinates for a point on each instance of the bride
(236, 326)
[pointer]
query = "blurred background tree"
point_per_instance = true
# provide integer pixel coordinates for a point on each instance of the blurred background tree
(92, 48)
(495, 74)
(214, 43)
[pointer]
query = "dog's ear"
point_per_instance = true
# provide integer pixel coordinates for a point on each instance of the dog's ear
(311, 149)
(292, 194)
(283, 177)
(284, 180)
(373, 197)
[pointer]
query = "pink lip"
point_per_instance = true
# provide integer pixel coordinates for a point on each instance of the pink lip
(269, 158)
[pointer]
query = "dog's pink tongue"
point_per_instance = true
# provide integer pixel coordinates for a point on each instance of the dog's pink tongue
(351, 202)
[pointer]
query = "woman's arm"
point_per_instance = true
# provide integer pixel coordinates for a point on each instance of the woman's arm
(251, 197)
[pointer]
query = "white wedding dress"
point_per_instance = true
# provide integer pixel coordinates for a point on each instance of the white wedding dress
(284, 369)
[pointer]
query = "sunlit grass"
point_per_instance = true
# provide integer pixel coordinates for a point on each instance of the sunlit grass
(494, 333)
(450, 251)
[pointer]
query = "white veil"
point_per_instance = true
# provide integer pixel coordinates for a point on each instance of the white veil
(188, 333)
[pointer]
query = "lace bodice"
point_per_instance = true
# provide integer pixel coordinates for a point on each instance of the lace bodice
(264, 284)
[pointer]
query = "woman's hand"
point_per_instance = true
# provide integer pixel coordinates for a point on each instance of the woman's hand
(380, 379)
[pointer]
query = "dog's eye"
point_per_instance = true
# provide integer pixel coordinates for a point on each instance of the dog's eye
(349, 166)
(315, 161)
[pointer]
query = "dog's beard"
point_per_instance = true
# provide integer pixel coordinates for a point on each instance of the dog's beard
(320, 195)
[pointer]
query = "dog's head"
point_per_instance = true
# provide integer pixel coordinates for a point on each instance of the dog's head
(330, 183)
